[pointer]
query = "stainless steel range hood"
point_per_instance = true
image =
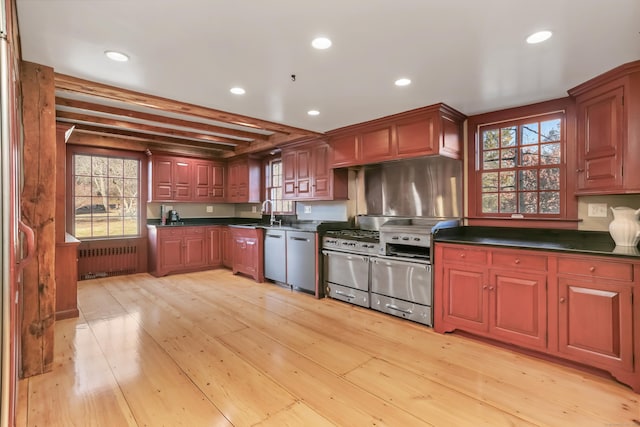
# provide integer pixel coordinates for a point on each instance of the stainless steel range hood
(424, 187)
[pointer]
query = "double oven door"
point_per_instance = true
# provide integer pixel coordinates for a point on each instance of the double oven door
(347, 277)
(403, 288)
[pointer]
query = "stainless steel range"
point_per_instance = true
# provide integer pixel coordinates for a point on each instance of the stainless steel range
(387, 270)
(347, 264)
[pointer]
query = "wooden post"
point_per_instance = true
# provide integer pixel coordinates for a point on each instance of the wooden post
(38, 209)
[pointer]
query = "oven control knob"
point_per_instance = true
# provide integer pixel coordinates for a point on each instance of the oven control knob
(405, 238)
(416, 239)
(395, 238)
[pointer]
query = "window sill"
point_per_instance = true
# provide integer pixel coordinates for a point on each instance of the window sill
(558, 223)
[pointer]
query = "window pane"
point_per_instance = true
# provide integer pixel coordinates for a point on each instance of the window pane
(82, 186)
(508, 202)
(116, 167)
(529, 155)
(528, 203)
(508, 181)
(116, 227)
(550, 179)
(508, 137)
(508, 158)
(550, 130)
(550, 202)
(529, 134)
(99, 166)
(550, 154)
(130, 187)
(490, 182)
(131, 168)
(490, 160)
(490, 139)
(82, 165)
(489, 203)
(528, 179)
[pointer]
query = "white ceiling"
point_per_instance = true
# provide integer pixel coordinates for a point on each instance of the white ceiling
(469, 54)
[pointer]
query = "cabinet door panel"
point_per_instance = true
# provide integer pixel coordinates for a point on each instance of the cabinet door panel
(195, 254)
(345, 151)
(170, 249)
(214, 246)
(595, 323)
(377, 145)
(465, 297)
(518, 307)
(321, 186)
(417, 138)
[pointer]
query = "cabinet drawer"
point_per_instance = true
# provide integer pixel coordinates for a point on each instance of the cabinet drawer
(170, 231)
(525, 261)
(465, 255)
(596, 267)
(194, 230)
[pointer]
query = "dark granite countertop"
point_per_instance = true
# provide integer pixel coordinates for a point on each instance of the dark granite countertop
(312, 226)
(568, 241)
(187, 222)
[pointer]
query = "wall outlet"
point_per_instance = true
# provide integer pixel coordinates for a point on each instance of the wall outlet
(598, 210)
(307, 209)
(209, 209)
(254, 209)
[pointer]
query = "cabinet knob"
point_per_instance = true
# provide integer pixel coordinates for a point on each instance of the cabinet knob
(461, 255)
(592, 269)
(517, 261)
(490, 288)
(485, 287)
(562, 300)
(579, 170)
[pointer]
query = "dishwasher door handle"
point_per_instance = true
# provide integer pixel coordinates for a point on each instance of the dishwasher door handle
(274, 236)
(344, 294)
(300, 239)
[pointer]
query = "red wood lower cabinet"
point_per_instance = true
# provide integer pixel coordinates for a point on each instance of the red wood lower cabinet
(176, 249)
(575, 307)
(248, 252)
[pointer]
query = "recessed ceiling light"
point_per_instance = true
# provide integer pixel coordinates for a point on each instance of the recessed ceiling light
(237, 91)
(116, 56)
(313, 112)
(538, 37)
(321, 43)
(403, 82)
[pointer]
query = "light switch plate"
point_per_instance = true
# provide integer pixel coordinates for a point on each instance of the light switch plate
(307, 209)
(598, 210)
(209, 209)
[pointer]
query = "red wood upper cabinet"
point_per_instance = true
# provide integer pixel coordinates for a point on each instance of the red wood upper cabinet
(608, 132)
(171, 179)
(243, 180)
(432, 130)
(307, 175)
(208, 179)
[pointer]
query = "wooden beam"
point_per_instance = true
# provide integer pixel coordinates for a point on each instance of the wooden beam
(144, 128)
(90, 106)
(38, 209)
(74, 84)
(80, 137)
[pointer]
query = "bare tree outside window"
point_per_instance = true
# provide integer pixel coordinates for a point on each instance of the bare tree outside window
(519, 166)
(105, 196)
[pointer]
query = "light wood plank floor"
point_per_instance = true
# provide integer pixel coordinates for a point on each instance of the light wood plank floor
(213, 349)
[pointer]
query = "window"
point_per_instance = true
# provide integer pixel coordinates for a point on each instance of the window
(105, 195)
(517, 173)
(273, 174)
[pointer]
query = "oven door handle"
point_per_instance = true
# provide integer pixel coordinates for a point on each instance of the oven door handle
(346, 255)
(391, 261)
(395, 307)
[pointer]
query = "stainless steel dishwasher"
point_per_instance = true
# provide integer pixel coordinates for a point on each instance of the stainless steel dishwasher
(301, 260)
(275, 263)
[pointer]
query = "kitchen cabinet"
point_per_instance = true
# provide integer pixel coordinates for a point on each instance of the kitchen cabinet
(595, 312)
(495, 293)
(248, 252)
(177, 249)
(208, 180)
(608, 133)
(214, 245)
(432, 130)
(308, 176)
(171, 179)
(243, 180)
(570, 306)
(66, 259)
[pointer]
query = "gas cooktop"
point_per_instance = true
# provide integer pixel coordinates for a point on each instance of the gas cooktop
(357, 235)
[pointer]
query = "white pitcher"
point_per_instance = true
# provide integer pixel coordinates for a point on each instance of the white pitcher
(625, 227)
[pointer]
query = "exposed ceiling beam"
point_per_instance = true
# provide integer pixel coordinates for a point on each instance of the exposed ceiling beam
(178, 143)
(90, 106)
(144, 128)
(73, 84)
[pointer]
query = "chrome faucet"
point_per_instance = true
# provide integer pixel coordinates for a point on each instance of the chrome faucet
(272, 220)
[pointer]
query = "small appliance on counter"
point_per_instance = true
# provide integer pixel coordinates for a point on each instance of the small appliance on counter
(173, 216)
